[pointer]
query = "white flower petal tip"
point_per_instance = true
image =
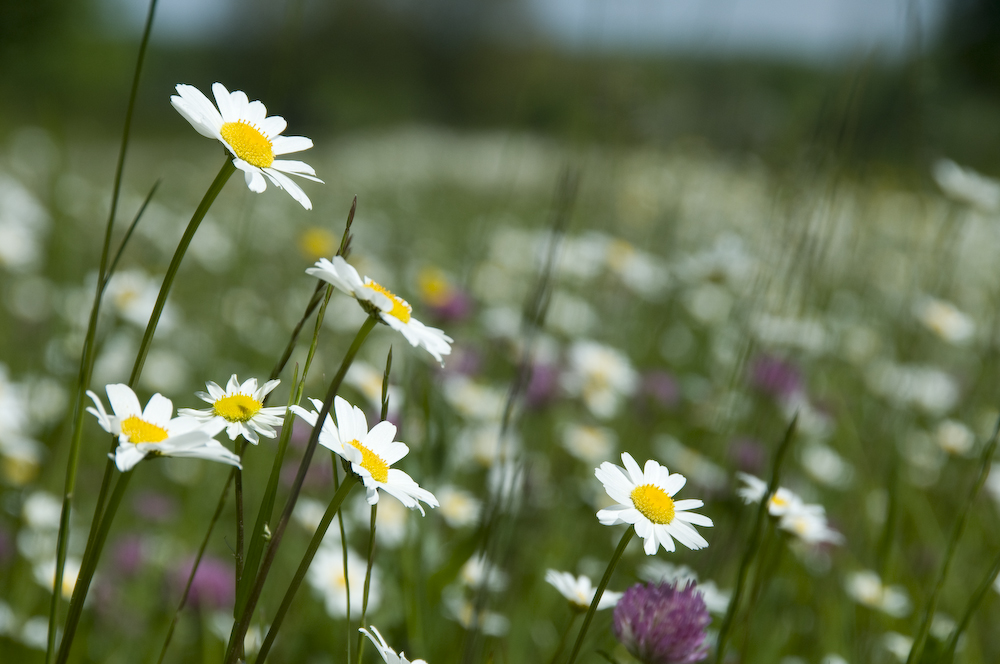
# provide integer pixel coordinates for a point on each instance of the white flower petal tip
(153, 431)
(253, 138)
(645, 501)
(391, 309)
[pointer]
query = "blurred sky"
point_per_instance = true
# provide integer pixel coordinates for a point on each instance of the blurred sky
(815, 30)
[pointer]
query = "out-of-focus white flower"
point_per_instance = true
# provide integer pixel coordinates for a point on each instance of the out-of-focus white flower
(459, 508)
(826, 466)
(45, 575)
(808, 523)
(391, 309)
(42, 511)
(479, 572)
(389, 655)
(472, 400)
(221, 624)
(23, 222)
(725, 262)
(483, 444)
(641, 272)
(239, 408)
(390, 522)
(945, 320)
(326, 576)
(253, 138)
(309, 512)
(781, 502)
(488, 622)
(580, 590)
(133, 295)
(601, 375)
(35, 632)
(898, 645)
(954, 437)
(367, 380)
(591, 444)
(691, 463)
(967, 186)
(865, 587)
(927, 388)
(644, 498)
(809, 335)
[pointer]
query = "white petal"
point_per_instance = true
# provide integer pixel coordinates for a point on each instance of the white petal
(159, 410)
(225, 102)
(283, 181)
(273, 126)
(288, 144)
(123, 400)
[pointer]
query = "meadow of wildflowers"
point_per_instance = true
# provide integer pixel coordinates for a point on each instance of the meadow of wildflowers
(475, 397)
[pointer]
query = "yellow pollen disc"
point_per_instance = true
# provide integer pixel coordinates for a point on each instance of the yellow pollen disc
(372, 462)
(400, 308)
(653, 503)
(249, 143)
(237, 407)
(141, 431)
(778, 501)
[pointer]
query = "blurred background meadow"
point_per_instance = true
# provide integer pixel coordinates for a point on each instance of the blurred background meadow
(779, 208)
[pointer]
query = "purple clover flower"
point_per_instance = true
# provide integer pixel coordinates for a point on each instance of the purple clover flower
(214, 584)
(660, 624)
(775, 377)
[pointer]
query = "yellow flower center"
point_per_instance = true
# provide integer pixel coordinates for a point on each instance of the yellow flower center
(653, 503)
(249, 143)
(434, 286)
(372, 462)
(777, 501)
(237, 407)
(141, 431)
(400, 308)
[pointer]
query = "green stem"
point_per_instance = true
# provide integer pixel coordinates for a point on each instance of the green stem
(89, 344)
(87, 567)
(368, 580)
(600, 591)
(197, 561)
(240, 627)
(238, 496)
(343, 550)
(754, 544)
(307, 558)
(984, 587)
(920, 640)
(562, 639)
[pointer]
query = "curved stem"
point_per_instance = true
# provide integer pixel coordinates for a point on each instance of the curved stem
(368, 580)
(974, 602)
(562, 639)
(600, 591)
(307, 558)
(88, 566)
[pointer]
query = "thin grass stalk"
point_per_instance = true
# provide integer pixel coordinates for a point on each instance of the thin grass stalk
(240, 627)
(754, 544)
(128, 234)
(194, 567)
(88, 566)
(977, 598)
(307, 558)
(920, 640)
(343, 549)
(368, 580)
(89, 344)
(264, 513)
(600, 592)
(238, 555)
(565, 635)
(891, 517)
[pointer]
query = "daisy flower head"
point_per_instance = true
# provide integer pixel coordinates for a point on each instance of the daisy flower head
(389, 655)
(579, 590)
(239, 409)
(378, 300)
(645, 501)
(153, 431)
(370, 453)
(253, 138)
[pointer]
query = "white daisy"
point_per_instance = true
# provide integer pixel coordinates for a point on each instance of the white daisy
(326, 576)
(865, 587)
(371, 453)
(579, 590)
(253, 138)
(808, 522)
(393, 310)
(239, 408)
(389, 655)
(153, 431)
(645, 498)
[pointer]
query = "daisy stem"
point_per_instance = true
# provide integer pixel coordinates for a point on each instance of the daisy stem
(89, 344)
(194, 567)
(750, 552)
(241, 625)
(238, 497)
(307, 558)
(343, 548)
(920, 640)
(368, 580)
(600, 592)
(974, 602)
(565, 635)
(87, 567)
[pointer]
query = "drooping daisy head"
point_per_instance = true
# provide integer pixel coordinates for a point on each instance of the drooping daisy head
(250, 135)
(153, 431)
(579, 591)
(371, 453)
(645, 501)
(389, 655)
(391, 309)
(239, 409)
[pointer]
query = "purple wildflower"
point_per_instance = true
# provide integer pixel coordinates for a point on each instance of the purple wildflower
(543, 385)
(662, 388)
(660, 624)
(214, 584)
(775, 377)
(154, 506)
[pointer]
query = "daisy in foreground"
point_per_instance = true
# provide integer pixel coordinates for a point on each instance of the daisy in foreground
(389, 655)
(645, 498)
(579, 591)
(253, 138)
(153, 431)
(393, 310)
(239, 409)
(371, 453)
